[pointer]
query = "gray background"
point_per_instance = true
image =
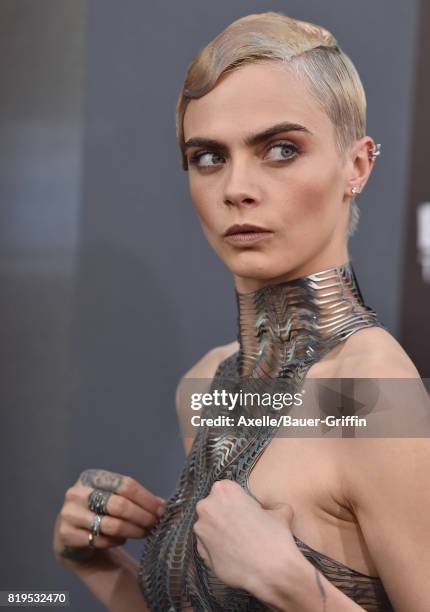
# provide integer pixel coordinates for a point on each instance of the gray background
(109, 291)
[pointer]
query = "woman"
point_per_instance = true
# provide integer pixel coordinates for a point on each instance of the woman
(271, 125)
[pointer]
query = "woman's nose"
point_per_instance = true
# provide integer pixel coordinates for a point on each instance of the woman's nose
(240, 187)
(239, 198)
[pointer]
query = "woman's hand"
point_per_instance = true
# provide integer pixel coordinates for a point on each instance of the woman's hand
(240, 540)
(130, 511)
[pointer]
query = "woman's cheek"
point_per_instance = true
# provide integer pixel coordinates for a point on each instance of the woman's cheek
(209, 231)
(196, 193)
(316, 204)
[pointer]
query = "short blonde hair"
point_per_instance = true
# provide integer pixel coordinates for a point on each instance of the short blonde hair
(310, 49)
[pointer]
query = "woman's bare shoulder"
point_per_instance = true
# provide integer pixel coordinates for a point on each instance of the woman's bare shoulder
(205, 368)
(374, 352)
(207, 365)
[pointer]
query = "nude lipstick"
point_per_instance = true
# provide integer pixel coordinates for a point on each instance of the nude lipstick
(246, 234)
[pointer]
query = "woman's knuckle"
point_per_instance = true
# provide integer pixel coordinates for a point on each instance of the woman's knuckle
(70, 494)
(64, 513)
(222, 485)
(116, 528)
(111, 526)
(107, 525)
(120, 504)
(63, 531)
(129, 485)
(197, 528)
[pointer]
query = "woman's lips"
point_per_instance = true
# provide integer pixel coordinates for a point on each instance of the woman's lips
(247, 238)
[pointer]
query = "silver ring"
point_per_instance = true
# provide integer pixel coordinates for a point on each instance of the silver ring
(97, 501)
(95, 524)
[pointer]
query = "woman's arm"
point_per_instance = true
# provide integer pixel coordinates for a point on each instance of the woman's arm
(111, 575)
(297, 586)
(386, 482)
(251, 547)
(390, 494)
(107, 569)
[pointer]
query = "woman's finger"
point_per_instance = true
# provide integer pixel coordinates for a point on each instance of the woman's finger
(101, 479)
(75, 537)
(123, 508)
(122, 485)
(117, 506)
(138, 494)
(78, 516)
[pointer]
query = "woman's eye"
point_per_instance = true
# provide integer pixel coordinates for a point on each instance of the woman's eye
(283, 151)
(206, 159)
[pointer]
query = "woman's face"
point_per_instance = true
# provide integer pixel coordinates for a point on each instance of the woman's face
(247, 166)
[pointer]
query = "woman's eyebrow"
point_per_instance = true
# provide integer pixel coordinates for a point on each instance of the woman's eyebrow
(249, 141)
(285, 126)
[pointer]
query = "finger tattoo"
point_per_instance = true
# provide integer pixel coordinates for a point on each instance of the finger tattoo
(101, 479)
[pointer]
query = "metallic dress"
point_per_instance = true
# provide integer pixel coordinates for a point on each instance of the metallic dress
(283, 329)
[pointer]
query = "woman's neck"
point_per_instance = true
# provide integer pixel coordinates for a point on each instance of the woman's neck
(285, 327)
(333, 258)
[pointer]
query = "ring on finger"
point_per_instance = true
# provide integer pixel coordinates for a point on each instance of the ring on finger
(97, 500)
(95, 524)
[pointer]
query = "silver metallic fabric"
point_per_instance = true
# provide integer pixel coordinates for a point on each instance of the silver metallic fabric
(283, 329)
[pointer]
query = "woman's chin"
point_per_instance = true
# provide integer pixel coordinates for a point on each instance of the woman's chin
(257, 272)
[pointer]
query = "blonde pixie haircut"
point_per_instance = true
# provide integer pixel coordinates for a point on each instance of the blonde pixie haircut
(311, 50)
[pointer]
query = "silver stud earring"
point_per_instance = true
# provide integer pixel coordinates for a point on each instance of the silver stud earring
(355, 190)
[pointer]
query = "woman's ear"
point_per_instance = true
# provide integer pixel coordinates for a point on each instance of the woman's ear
(361, 164)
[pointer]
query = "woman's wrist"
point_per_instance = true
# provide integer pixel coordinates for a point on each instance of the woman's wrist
(293, 584)
(69, 554)
(284, 581)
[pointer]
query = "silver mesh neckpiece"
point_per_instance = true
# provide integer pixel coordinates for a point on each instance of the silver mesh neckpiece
(283, 329)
